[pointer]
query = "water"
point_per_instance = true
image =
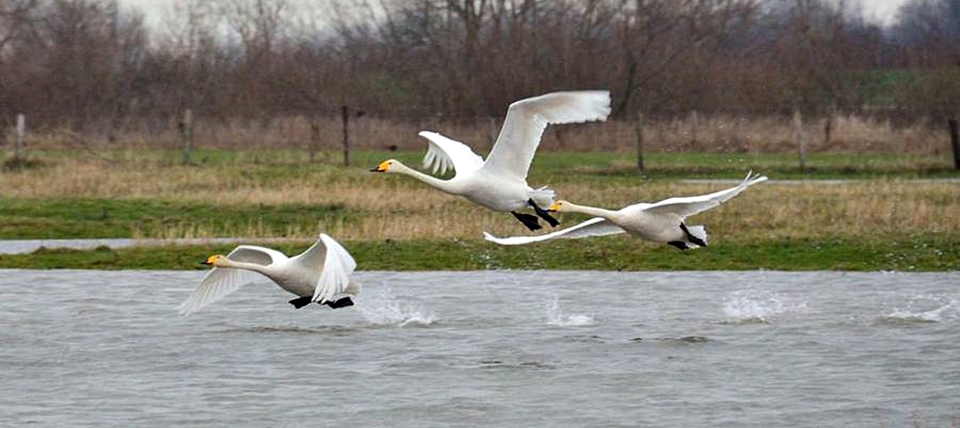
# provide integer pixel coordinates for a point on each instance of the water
(501, 349)
(23, 246)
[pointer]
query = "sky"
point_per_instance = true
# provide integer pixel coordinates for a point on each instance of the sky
(882, 11)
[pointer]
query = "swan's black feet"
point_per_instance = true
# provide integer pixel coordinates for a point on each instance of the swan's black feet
(528, 220)
(690, 236)
(339, 303)
(679, 244)
(543, 214)
(300, 302)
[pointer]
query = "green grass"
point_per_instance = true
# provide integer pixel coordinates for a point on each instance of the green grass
(180, 214)
(900, 253)
(126, 218)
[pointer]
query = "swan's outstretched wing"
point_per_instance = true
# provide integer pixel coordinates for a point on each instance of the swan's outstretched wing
(221, 281)
(335, 265)
(444, 153)
(596, 226)
(695, 204)
(526, 119)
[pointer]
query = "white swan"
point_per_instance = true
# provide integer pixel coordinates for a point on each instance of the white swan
(500, 182)
(320, 274)
(659, 222)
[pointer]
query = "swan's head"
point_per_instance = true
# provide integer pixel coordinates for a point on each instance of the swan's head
(215, 260)
(385, 166)
(557, 206)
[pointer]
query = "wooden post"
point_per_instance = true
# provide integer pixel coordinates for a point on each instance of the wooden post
(694, 124)
(314, 137)
(21, 131)
(186, 132)
(345, 114)
(954, 142)
(827, 130)
(798, 135)
(640, 140)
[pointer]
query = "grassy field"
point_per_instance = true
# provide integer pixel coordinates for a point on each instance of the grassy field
(879, 219)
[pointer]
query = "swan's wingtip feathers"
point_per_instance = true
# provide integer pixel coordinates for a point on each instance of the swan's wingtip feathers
(752, 178)
(496, 240)
(187, 308)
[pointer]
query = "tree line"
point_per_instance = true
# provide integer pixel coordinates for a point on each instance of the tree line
(76, 64)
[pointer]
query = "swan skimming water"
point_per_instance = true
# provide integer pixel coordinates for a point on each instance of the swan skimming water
(320, 274)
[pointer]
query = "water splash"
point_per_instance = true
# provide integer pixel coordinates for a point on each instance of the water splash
(922, 309)
(756, 307)
(384, 309)
(556, 317)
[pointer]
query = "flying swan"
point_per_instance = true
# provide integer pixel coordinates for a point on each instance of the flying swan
(500, 182)
(658, 222)
(320, 274)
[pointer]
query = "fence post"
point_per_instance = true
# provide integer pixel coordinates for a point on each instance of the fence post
(345, 114)
(314, 137)
(186, 132)
(640, 140)
(954, 142)
(694, 125)
(798, 135)
(827, 130)
(21, 131)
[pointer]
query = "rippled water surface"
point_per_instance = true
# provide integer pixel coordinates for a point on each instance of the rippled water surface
(505, 349)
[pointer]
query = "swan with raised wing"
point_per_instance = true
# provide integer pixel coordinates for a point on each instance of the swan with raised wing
(320, 274)
(662, 221)
(500, 182)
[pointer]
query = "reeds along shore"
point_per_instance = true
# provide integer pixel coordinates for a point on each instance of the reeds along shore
(692, 133)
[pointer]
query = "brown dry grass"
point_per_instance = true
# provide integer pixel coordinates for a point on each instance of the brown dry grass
(713, 133)
(396, 207)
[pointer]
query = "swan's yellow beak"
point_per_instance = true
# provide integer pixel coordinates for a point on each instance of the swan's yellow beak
(382, 167)
(211, 260)
(554, 207)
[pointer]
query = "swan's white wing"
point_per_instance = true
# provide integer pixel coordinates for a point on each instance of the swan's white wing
(221, 281)
(596, 226)
(526, 119)
(691, 205)
(335, 263)
(444, 153)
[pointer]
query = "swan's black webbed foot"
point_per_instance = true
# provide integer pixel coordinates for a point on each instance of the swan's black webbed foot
(679, 244)
(339, 303)
(542, 213)
(528, 220)
(300, 302)
(690, 236)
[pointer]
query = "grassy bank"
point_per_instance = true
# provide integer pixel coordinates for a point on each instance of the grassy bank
(619, 253)
(880, 219)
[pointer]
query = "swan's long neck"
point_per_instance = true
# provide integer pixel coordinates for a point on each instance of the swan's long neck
(432, 181)
(596, 212)
(246, 266)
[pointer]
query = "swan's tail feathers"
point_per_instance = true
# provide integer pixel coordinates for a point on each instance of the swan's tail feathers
(699, 233)
(543, 196)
